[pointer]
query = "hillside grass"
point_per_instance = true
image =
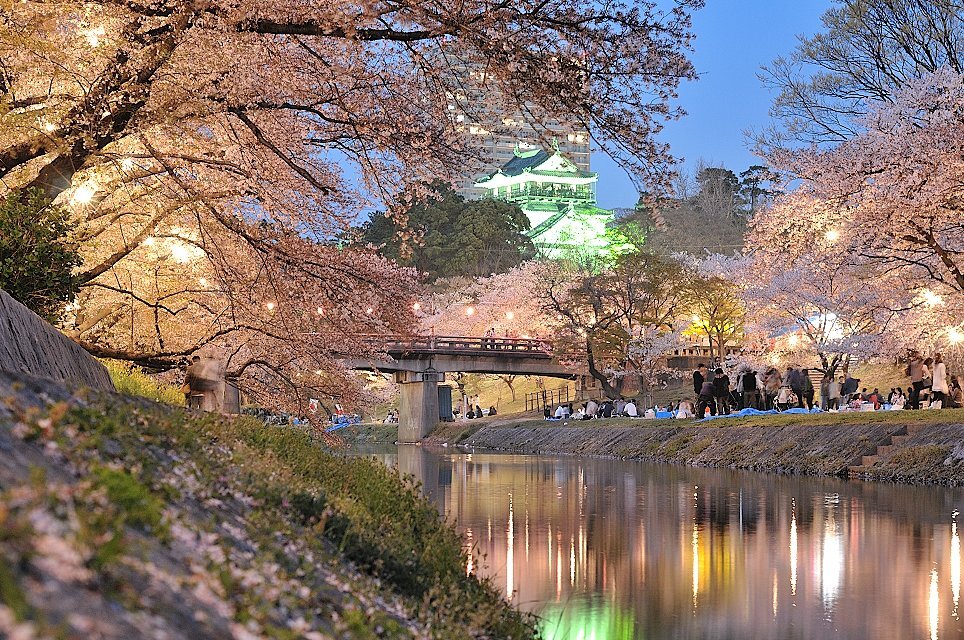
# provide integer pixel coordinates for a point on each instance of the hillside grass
(283, 536)
(134, 382)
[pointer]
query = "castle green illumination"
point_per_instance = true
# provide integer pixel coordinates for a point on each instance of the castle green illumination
(560, 201)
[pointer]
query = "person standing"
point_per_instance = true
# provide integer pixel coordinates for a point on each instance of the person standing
(808, 390)
(833, 394)
(721, 392)
(699, 377)
(705, 400)
(749, 389)
(915, 369)
(825, 391)
(939, 388)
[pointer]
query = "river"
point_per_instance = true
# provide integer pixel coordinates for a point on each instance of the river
(606, 549)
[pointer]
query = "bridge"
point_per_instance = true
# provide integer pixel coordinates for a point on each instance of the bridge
(421, 362)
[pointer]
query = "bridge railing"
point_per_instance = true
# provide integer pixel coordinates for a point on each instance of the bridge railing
(475, 345)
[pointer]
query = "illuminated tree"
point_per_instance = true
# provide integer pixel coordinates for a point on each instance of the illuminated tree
(210, 152)
(616, 322)
(889, 199)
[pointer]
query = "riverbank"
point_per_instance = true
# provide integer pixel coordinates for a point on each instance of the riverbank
(121, 517)
(921, 447)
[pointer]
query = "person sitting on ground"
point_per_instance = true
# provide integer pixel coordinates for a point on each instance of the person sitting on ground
(560, 413)
(956, 395)
(608, 409)
(685, 409)
(579, 414)
(546, 414)
(478, 411)
(620, 407)
(492, 411)
(631, 409)
(592, 409)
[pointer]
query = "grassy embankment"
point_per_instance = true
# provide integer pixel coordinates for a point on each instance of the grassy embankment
(119, 515)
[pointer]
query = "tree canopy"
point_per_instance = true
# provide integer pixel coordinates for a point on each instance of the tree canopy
(210, 152)
(443, 235)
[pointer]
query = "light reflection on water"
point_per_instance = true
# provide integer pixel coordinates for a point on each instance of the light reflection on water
(611, 549)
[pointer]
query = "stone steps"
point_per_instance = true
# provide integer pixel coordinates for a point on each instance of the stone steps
(867, 461)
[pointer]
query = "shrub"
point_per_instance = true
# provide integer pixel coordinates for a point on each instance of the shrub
(36, 257)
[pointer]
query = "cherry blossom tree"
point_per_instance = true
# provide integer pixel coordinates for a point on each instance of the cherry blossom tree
(889, 199)
(211, 152)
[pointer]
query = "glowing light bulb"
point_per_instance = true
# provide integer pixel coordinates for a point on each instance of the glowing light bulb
(955, 335)
(470, 311)
(85, 193)
(931, 299)
(833, 235)
(369, 310)
(50, 127)
(416, 306)
(270, 306)
(509, 315)
(202, 281)
(321, 311)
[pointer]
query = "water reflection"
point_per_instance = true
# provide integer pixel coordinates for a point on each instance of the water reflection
(610, 549)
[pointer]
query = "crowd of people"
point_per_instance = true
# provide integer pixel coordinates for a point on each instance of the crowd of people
(931, 387)
(717, 393)
(592, 409)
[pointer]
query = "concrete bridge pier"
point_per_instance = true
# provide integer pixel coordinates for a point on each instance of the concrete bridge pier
(418, 404)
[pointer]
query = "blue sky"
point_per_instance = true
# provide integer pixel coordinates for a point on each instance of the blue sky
(733, 39)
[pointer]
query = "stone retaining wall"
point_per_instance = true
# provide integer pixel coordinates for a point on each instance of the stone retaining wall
(29, 344)
(800, 450)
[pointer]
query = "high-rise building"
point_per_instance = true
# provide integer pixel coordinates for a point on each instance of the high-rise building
(495, 130)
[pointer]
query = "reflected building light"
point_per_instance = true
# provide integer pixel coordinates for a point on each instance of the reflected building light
(774, 595)
(955, 566)
(696, 563)
(793, 551)
(572, 561)
(558, 571)
(489, 529)
(510, 555)
(527, 534)
(470, 564)
(933, 605)
(831, 563)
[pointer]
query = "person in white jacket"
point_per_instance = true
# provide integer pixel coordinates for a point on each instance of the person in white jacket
(939, 388)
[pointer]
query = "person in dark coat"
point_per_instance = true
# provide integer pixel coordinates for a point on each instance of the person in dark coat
(704, 400)
(749, 390)
(721, 392)
(699, 377)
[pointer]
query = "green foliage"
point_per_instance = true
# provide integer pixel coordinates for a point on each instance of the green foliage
(36, 259)
(136, 505)
(134, 382)
(447, 236)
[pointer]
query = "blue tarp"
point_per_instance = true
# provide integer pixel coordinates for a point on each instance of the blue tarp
(664, 414)
(742, 413)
